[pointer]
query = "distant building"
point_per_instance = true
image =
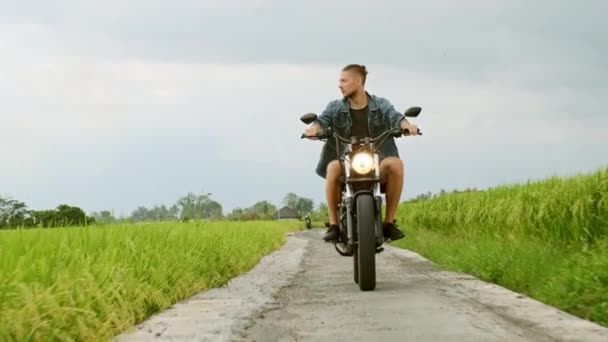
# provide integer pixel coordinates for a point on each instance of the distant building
(286, 213)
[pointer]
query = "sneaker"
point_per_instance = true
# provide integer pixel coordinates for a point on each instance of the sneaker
(392, 232)
(332, 233)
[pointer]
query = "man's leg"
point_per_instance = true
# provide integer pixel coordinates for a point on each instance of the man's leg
(391, 170)
(333, 194)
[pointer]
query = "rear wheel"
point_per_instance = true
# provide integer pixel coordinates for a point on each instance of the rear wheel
(366, 249)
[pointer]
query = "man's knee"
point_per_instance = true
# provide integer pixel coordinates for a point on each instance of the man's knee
(392, 166)
(334, 170)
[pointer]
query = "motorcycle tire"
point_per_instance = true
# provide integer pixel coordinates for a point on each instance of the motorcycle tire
(366, 249)
(356, 266)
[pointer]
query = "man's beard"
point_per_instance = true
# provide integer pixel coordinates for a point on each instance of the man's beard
(351, 94)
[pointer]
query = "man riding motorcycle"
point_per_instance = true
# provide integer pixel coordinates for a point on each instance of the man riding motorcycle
(360, 114)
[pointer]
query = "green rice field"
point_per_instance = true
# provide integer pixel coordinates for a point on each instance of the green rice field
(547, 239)
(92, 283)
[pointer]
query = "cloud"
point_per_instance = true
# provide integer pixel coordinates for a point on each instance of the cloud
(116, 104)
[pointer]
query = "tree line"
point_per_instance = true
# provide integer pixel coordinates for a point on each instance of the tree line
(202, 207)
(14, 213)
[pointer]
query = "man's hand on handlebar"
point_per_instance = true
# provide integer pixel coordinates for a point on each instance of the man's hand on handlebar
(411, 128)
(312, 131)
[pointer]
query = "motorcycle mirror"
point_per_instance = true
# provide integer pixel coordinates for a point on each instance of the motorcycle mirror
(412, 112)
(309, 118)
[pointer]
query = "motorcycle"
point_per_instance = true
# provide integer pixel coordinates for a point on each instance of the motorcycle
(360, 209)
(308, 222)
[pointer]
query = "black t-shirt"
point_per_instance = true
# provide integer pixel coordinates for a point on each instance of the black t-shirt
(359, 120)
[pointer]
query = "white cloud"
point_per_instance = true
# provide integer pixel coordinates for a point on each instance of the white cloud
(139, 103)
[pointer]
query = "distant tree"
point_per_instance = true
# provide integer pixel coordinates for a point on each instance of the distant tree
(201, 206)
(304, 205)
(104, 217)
(44, 218)
(162, 213)
(188, 206)
(63, 216)
(290, 200)
(140, 214)
(237, 214)
(212, 210)
(158, 213)
(13, 213)
(263, 209)
(71, 216)
(174, 212)
(301, 204)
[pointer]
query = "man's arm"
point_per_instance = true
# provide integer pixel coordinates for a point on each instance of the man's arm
(395, 118)
(324, 120)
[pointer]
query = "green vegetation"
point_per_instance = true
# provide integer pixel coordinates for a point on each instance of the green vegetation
(15, 214)
(547, 239)
(91, 283)
(265, 210)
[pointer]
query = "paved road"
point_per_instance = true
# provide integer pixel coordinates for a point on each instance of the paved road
(305, 292)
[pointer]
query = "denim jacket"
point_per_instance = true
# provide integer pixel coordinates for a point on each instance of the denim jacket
(381, 116)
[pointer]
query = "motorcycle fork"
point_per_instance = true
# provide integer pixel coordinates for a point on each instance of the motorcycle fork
(379, 225)
(378, 201)
(348, 201)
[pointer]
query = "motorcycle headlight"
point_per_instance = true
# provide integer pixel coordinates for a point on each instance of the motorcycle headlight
(362, 163)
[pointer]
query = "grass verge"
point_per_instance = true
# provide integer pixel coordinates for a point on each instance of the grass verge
(546, 239)
(575, 281)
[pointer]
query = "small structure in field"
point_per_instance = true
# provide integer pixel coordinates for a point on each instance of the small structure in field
(286, 213)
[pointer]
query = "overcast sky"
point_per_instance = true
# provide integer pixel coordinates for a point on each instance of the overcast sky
(114, 104)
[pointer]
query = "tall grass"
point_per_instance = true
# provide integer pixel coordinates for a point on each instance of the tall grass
(547, 239)
(92, 283)
(559, 210)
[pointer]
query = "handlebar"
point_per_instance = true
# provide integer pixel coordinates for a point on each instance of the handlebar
(395, 132)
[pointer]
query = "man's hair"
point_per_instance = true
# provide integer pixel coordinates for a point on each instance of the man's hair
(358, 68)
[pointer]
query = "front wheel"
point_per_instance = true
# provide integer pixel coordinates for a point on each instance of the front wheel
(356, 265)
(366, 249)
